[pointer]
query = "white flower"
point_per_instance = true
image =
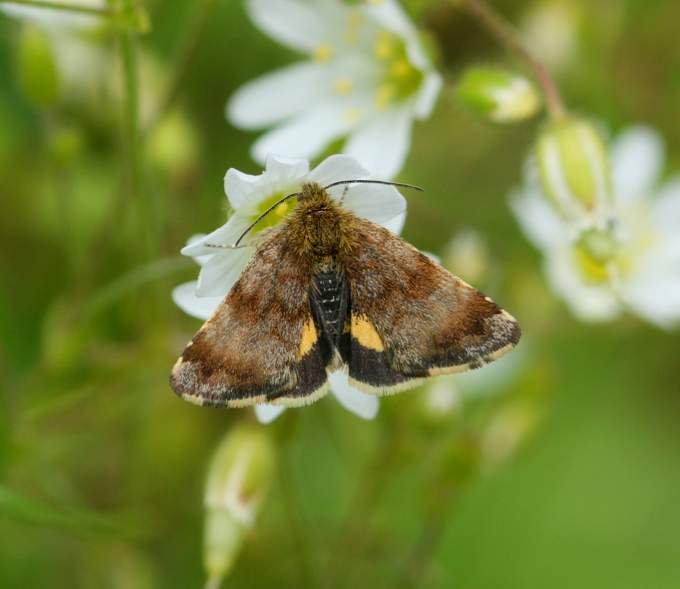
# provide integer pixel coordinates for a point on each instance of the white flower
(248, 196)
(640, 243)
(367, 79)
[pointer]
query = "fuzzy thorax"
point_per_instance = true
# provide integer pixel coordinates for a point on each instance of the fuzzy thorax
(319, 227)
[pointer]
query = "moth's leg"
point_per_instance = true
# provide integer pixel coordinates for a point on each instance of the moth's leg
(344, 193)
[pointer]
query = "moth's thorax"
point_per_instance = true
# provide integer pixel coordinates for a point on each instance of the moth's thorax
(319, 227)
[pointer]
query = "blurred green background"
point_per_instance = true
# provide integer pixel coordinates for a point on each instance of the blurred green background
(102, 468)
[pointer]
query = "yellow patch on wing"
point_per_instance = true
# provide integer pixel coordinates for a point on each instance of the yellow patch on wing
(363, 331)
(308, 338)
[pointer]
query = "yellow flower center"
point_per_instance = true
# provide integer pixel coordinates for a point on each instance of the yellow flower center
(277, 215)
(401, 80)
(323, 52)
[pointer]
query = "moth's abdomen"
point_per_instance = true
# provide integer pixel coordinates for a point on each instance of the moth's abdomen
(330, 301)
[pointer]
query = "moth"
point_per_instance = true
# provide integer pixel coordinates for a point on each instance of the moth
(327, 290)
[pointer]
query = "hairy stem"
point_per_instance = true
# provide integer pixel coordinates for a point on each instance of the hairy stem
(508, 37)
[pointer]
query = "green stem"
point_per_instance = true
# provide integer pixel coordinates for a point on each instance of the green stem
(62, 6)
(508, 37)
(184, 62)
(127, 40)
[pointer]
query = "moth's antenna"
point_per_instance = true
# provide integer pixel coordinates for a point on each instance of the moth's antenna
(263, 215)
(384, 182)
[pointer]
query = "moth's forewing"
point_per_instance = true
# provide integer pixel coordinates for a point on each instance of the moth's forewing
(261, 345)
(410, 318)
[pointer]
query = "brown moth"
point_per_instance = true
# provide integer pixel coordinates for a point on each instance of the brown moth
(324, 290)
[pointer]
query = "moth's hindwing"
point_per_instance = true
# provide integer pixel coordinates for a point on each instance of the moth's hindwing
(262, 345)
(411, 319)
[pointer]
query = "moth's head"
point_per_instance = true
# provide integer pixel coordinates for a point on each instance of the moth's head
(312, 191)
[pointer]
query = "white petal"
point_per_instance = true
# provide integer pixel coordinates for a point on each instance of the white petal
(428, 94)
(637, 157)
(268, 413)
(200, 260)
(185, 298)
(588, 303)
(279, 95)
(391, 16)
(382, 144)
(656, 299)
(361, 404)
(397, 224)
(336, 168)
(286, 170)
(292, 23)
(225, 235)
(221, 272)
(667, 206)
(378, 203)
(245, 191)
(306, 135)
(538, 221)
(240, 187)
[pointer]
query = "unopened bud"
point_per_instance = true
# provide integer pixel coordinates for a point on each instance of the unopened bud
(173, 144)
(499, 95)
(37, 68)
(574, 169)
(237, 483)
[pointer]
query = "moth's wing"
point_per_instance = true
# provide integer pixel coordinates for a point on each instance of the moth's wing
(410, 318)
(262, 344)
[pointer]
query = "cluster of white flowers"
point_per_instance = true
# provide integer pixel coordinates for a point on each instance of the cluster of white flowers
(624, 253)
(367, 79)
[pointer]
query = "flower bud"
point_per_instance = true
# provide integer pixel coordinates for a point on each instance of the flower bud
(574, 169)
(499, 95)
(238, 480)
(173, 145)
(37, 68)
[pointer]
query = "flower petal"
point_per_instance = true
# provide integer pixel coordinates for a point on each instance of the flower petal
(225, 235)
(637, 158)
(292, 23)
(194, 239)
(656, 299)
(361, 404)
(588, 303)
(667, 206)
(538, 221)
(382, 144)
(268, 413)
(375, 202)
(306, 135)
(286, 170)
(336, 168)
(185, 298)
(279, 95)
(221, 271)
(396, 224)
(428, 94)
